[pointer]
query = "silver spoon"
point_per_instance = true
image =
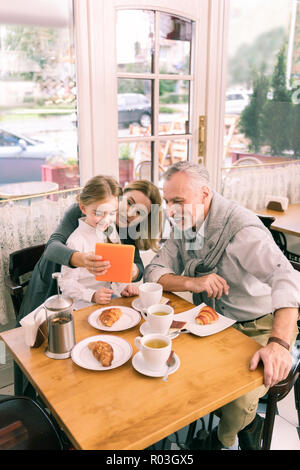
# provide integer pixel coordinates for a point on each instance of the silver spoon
(170, 363)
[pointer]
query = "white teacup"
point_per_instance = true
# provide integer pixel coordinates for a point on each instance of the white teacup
(150, 293)
(155, 349)
(159, 318)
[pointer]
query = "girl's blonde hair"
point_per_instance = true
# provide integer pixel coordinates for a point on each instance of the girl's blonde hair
(98, 188)
(152, 192)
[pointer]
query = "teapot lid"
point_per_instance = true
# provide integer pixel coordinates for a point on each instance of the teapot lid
(58, 302)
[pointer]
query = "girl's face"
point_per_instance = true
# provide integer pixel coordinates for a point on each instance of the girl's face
(134, 207)
(101, 214)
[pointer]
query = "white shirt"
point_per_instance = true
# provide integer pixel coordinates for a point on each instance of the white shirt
(260, 278)
(79, 283)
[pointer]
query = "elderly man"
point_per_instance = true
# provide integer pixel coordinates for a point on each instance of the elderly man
(219, 250)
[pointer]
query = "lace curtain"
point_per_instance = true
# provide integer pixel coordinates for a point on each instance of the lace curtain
(25, 223)
(251, 186)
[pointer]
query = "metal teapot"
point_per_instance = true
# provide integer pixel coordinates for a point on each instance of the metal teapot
(60, 324)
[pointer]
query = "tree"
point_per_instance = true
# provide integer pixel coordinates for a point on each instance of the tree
(255, 56)
(278, 112)
(252, 116)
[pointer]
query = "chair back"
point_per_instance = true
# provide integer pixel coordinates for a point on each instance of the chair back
(277, 393)
(24, 425)
(21, 265)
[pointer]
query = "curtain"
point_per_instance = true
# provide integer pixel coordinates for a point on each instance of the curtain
(250, 187)
(26, 223)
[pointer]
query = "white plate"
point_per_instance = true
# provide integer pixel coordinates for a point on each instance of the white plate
(146, 330)
(128, 319)
(203, 330)
(139, 364)
(136, 303)
(83, 356)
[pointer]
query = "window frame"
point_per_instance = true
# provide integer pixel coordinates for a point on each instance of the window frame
(97, 83)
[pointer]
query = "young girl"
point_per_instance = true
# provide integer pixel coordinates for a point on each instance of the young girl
(98, 201)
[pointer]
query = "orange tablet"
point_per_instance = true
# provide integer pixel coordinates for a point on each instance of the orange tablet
(121, 261)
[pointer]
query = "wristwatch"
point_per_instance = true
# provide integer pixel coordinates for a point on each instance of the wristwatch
(274, 339)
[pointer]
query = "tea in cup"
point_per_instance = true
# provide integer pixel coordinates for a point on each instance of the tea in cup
(155, 349)
(150, 293)
(159, 318)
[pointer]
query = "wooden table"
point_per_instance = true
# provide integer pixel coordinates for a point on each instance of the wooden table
(122, 409)
(287, 222)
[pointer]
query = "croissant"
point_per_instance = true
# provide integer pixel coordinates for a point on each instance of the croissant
(206, 316)
(102, 351)
(110, 316)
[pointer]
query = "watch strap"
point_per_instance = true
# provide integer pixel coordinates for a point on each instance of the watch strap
(274, 339)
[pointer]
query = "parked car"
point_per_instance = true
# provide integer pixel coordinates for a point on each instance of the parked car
(134, 107)
(236, 101)
(21, 158)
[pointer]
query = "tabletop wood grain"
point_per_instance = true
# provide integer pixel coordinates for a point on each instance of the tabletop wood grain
(287, 222)
(123, 409)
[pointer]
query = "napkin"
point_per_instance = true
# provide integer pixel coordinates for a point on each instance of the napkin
(34, 327)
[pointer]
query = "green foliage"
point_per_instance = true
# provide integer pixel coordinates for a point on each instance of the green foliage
(255, 56)
(125, 152)
(273, 122)
(166, 86)
(251, 121)
(278, 114)
(39, 46)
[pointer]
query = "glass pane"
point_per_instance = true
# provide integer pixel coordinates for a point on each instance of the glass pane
(175, 44)
(38, 131)
(134, 107)
(261, 105)
(174, 106)
(134, 161)
(135, 40)
(172, 151)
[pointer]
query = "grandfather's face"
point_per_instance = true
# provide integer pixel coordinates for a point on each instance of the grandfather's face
(185, 202)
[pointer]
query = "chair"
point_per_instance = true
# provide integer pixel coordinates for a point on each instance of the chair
(277, 393)
(21, 264)
(144, 170)
(279, 238)
(24, 425)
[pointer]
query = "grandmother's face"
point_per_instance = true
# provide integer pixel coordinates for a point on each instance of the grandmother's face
(185, 201)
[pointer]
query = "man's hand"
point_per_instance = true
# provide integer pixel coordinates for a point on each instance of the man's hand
(277, 363)
(213, 284)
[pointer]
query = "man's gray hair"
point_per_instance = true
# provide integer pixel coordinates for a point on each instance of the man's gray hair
(197, 173)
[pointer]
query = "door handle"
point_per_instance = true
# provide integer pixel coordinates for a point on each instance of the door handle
(201, 139)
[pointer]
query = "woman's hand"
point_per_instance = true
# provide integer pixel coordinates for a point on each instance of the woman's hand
(93, 263)
(130, 291)
(102, 296)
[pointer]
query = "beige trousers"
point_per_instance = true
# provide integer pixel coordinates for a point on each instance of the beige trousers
(239, 413)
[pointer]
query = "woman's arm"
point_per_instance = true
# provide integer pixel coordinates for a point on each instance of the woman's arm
(58, 252)
(56, 249)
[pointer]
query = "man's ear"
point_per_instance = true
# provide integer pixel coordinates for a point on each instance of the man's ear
(205, 191)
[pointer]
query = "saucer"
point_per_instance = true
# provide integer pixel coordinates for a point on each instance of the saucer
(137, 305)
(146, 330)
(139, 364)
